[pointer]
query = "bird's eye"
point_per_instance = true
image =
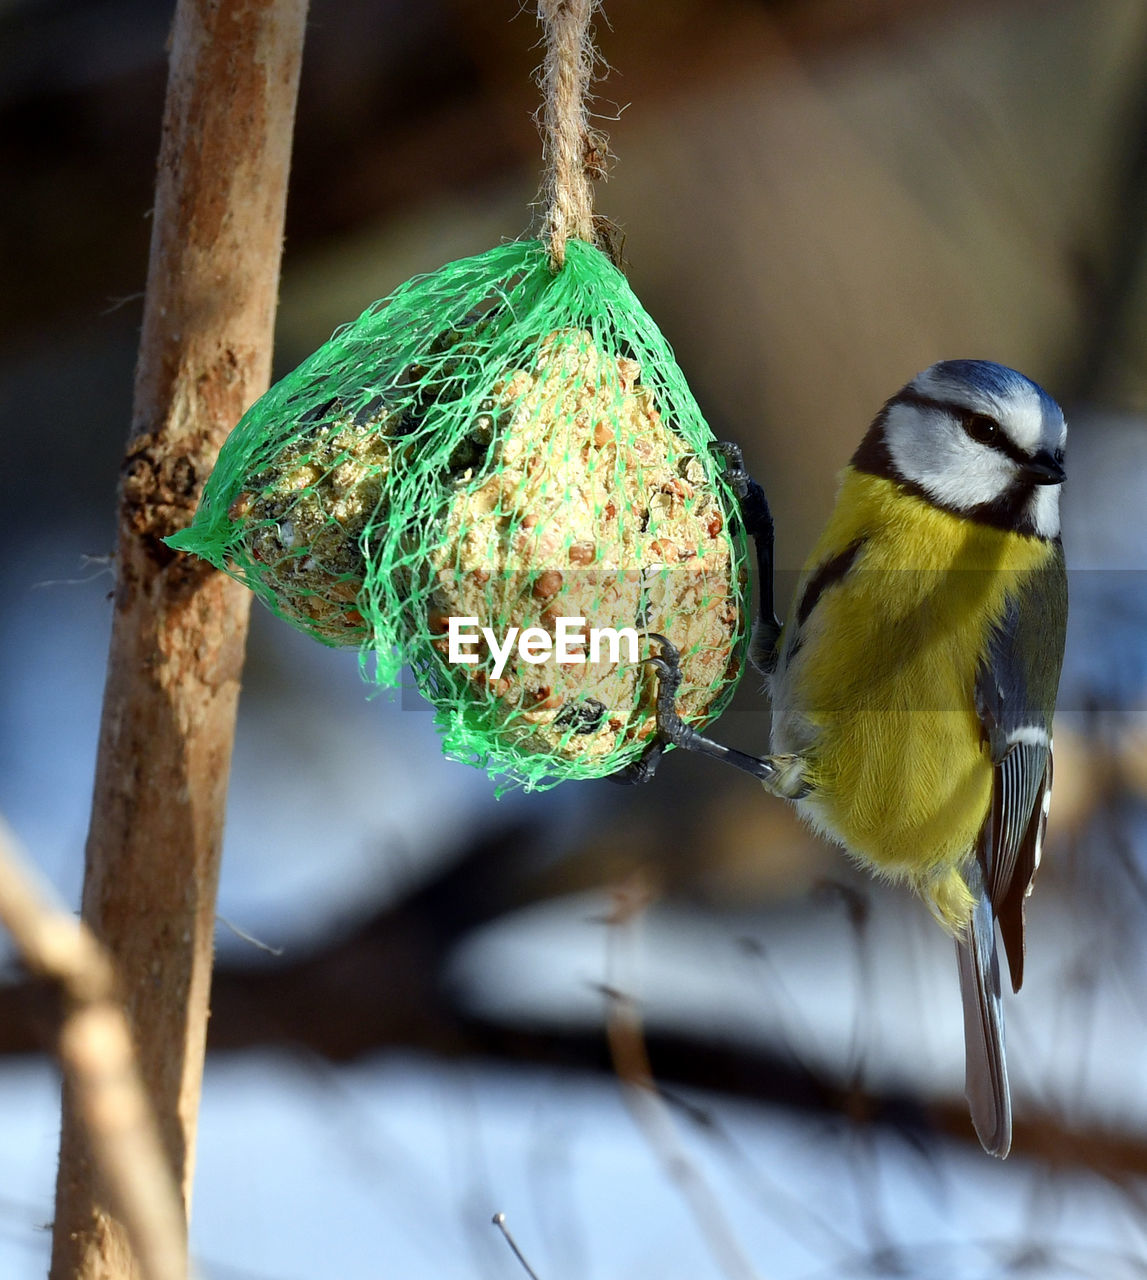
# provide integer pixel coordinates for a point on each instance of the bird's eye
(981, 428)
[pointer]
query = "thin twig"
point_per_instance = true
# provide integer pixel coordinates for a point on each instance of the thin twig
(249, 938)
(630, 1056)
(500, 1223)
(95, 1053)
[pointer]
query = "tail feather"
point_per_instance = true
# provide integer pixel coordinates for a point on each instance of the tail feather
(986, 1071)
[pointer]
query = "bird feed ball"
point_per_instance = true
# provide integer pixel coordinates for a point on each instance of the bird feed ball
(592, 510)
(303, 515)
(498, 477)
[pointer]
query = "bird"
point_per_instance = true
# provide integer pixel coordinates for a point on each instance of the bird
(914, 679)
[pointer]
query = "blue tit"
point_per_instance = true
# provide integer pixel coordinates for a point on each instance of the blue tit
(914, 680)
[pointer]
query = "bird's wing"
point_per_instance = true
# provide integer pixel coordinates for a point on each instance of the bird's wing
(1020, 800)
(1015, 695)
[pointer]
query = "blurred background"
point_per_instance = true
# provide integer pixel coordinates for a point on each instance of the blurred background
(424, 995)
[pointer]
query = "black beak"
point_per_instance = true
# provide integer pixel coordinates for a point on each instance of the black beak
(1044, 468)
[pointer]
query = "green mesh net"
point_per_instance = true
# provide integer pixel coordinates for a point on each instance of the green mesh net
(498, 443)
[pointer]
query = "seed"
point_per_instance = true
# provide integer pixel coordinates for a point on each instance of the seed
(715, 525)
(346, 589)
(628, 372)
(240, 507)
(583, 553)
(548, 584)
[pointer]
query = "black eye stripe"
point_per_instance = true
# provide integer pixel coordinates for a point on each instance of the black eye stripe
(1010, 511)
(1001, 441)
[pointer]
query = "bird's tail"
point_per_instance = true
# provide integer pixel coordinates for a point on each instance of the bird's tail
(986, 1071)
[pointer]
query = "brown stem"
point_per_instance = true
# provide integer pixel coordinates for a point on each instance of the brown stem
(179, 628)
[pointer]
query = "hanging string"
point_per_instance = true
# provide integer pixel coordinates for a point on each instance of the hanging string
(574, 153)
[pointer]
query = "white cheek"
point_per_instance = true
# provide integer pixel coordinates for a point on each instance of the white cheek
(981, 476)
(952, 469)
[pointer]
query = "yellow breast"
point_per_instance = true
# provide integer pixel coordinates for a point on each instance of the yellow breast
(878, 694)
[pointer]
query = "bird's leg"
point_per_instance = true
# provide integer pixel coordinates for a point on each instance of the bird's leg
(781, 775)
(758, 522)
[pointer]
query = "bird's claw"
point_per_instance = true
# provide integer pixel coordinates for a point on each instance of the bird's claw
(737, 477)
(641, 770)
(670, 727)
(755, 513)
(667, 664)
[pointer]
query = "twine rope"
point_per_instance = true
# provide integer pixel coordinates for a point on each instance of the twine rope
(573, 153)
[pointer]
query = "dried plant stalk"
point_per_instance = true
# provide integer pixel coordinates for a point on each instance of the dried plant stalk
(95, 1052)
